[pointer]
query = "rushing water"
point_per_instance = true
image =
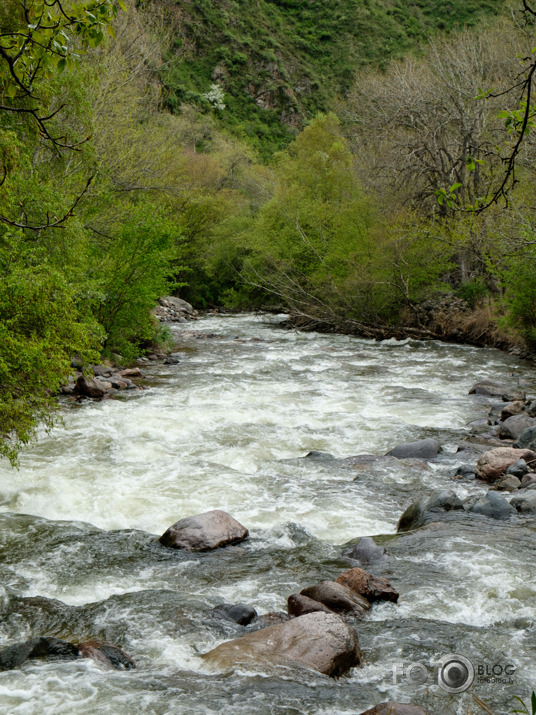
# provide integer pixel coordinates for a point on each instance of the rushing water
(229, 428)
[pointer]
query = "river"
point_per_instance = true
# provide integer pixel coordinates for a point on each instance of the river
(229, 428)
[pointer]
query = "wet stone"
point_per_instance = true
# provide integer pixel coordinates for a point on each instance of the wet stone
(237, 613)
(337, 597)
(365, 551)
(204, 532)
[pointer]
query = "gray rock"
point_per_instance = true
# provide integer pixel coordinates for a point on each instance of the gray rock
(91, 387)
(528, 479)
(465, 471)
(238, 613)
(365, 551)
(531, 409)
(518, 469)
(421, 449)
(525, 504)
(319, 641)
(102, 370)
(492, 389)
(527, 439)
(492, 505)
(418, 513)
(41, 647)
(514, 426)
(204, 532)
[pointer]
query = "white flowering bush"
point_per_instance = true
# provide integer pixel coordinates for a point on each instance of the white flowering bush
(215, 96)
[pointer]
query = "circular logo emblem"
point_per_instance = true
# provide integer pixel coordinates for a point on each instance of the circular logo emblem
(455, 673)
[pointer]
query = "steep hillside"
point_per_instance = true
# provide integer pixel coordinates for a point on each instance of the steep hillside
(278, 61)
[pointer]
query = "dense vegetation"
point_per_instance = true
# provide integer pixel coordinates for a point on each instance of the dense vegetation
(281, 61)
(125, 175)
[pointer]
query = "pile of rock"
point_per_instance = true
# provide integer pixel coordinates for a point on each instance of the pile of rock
(313, 634)
(512, 467)
(174, 310)
(105, 381)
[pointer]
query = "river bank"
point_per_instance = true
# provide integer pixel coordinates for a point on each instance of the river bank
(229, 427)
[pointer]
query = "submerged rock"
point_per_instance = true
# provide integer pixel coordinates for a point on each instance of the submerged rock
(365, 551)
(106, 654)
(421, 449)
(491, 465)
(493, 389)
(319, 641)
(42, 647)
(204, 532)
(390, 708)
(238, 613)
(337, 597)
(373, 588)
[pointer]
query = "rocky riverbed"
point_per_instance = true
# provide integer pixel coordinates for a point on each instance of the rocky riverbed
(359, 474)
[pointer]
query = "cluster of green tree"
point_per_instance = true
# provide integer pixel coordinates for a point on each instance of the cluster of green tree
(278, 62)
(109, 200)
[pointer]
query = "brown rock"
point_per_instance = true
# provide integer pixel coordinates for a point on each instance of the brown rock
(338, 598)
(507, 483)
(131, 372)
(204, 532)
(528, 479)
(319, 641)
(492, 464)
(299, 605)
(512, 408)
(91, 387)
(373, 588)
(396, 709)
(106, 654)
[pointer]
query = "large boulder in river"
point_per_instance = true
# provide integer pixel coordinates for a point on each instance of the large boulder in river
(337, 597)
(492, 464)
(91, 387)
(421, 449)
(320, 641)
(391, 708)
(373, 588)
(41, 647)
(513, 426)
(204, 532)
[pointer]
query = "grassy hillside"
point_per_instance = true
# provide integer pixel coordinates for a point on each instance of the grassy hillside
(279, 61)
